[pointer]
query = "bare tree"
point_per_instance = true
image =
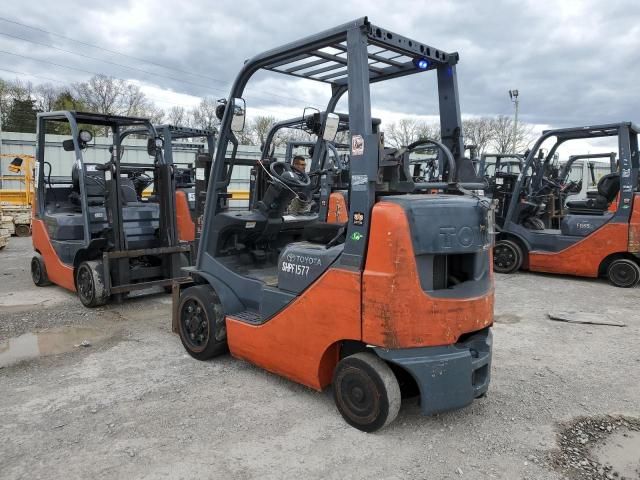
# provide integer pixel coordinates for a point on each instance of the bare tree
(479, 132)
(260, 127)
(46, 97)
(428, 130)
(135, 103)
(154, 114)
(503, 132)
(295, 135)
(176, 116)
(403, 133)
(101, 94)
(204, 115)
(408, 130)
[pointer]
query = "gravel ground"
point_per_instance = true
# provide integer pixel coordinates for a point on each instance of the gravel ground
(134, 405)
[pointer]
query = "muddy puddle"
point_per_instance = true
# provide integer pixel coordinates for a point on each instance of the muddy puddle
(604, 448)
(621, 452)
(49, 342)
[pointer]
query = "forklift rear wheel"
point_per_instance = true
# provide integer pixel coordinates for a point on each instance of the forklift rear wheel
(366, 391)
(623, 273)
(39, 271)
(23, 230)
(90, 284)
(201, 323)
(507, 256)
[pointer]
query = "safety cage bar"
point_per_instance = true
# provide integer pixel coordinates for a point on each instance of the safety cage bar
(389, 55)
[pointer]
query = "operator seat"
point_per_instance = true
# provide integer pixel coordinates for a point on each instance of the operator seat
(95, 186)
(323, 232)
(128, 191)
(608, 188)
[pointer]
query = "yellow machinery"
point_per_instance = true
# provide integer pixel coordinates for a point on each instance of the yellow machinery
(21, 168)
(15, 203)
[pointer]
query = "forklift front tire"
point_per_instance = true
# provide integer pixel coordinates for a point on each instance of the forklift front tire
(507, 256)
(366, 391)
(201, 323)
(624, 273)
(39, 271)
(90, 284)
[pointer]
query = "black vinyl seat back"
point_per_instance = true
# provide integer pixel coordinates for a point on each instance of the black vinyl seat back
(94, 184)
(608, 188)
(128, 191)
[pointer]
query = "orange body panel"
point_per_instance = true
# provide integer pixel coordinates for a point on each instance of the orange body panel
(396, 312)
(583, 259)
(186, 227)
(634, 226)
(299, 343)
(337, 211)
(58, 272)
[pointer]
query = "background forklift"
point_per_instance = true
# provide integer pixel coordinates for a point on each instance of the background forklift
(190, 177)
(329, 166)
(579, 175)
(492, 163)
(402, 294)
(590, 240)
(93, 233)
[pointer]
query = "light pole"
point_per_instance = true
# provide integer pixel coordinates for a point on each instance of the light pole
(513, 95)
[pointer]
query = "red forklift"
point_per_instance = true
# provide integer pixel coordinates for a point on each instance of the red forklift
(594, 236)
(93, 232)
(398, 298)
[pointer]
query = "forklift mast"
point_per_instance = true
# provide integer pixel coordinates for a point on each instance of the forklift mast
(363, 54)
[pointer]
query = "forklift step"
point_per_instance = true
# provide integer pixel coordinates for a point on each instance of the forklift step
(248, 316)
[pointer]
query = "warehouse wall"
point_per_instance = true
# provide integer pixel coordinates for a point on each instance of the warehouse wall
(98, 152)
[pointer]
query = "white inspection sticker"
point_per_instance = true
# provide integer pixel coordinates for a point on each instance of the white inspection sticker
(357, 145)
(359, 179)
(200, 173)
(191, 196)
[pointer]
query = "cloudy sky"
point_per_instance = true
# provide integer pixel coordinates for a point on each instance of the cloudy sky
(574, 62)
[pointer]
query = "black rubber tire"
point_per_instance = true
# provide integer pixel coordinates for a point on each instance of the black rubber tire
(199, 314)
(534, 223)
(623, 273)
(90, 284)
(366, 391)
(23, 230)
(507, 256)
(39, 271)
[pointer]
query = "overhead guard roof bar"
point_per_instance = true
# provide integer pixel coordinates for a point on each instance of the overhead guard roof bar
(94, 118)
(393, 57)
(605, 130)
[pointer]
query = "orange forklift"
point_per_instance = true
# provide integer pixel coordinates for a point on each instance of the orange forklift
(398, 298)
(597, 236)
(190, 177)
(93, 231)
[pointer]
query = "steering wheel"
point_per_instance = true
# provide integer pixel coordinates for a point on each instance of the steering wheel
(551, 183)
(285, 173)
(141, 180)
(440, 146)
